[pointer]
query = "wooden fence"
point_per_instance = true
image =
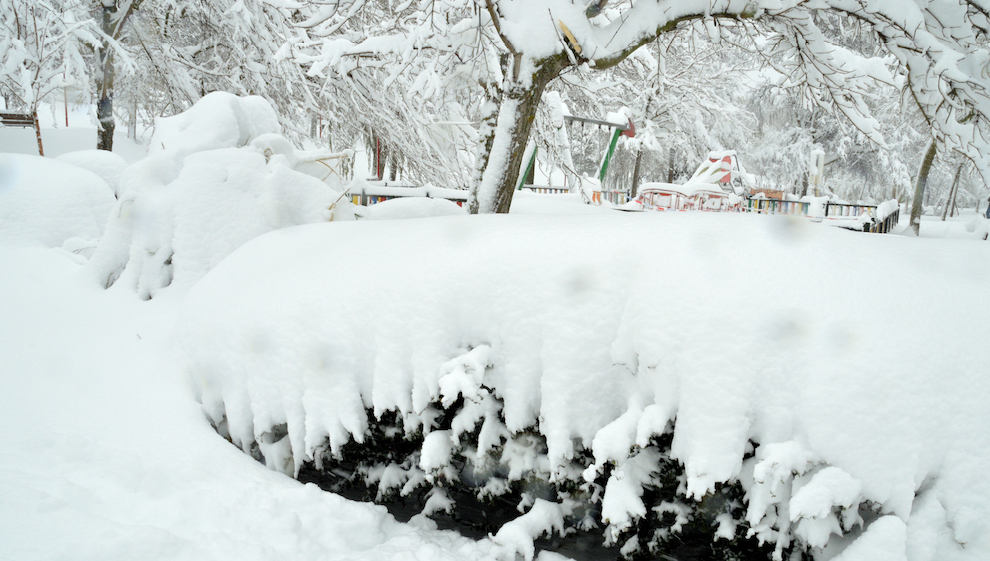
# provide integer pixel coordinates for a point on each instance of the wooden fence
(775, 206)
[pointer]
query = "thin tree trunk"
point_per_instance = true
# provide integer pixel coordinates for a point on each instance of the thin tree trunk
(37, 132)
(132, 126)
(104, 77)
(919, 187)
(950, 203)
(670, 164)
(635, 177)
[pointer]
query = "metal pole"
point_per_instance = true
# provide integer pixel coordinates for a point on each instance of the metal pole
(529, 167)
(608, 156)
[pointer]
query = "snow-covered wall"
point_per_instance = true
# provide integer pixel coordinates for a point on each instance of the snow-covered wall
(854, 398)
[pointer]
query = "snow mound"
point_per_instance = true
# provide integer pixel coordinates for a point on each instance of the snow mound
(47, 202)
(540, 346)
(411, 207)
(216, 177)
(107, 165)
(218, 120)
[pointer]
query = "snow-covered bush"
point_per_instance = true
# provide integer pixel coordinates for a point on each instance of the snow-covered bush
(216, 176)
(648, 391)
(51, 203)
(107, 165)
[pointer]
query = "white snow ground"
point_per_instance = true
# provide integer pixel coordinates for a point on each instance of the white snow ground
(105, 454)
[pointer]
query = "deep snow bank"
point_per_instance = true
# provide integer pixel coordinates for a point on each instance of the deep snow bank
(105, 456)
(792, 358)
(107, 165)
(216, 176)
(46, 202)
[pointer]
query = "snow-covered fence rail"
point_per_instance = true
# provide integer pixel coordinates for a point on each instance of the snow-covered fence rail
(376, 192)
(16, 119)
(546, 190)
(887, 216)
(878, 219)
(775, 206)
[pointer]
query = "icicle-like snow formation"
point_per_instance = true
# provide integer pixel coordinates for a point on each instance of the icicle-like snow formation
(633, 379)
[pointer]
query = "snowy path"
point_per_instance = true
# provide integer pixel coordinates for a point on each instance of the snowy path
(104, 454)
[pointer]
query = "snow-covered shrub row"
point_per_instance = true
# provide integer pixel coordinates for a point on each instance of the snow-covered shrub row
(216, 176)
(50, 203)
(639, 373)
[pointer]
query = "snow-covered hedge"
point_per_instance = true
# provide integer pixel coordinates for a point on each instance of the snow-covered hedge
(640, 373)
(216, 176)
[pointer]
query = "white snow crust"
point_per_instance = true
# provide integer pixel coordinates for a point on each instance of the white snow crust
(601, 345)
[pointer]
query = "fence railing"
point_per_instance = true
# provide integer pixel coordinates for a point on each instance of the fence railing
(871, 218)
(546, 190)
(775, 206)
(833, 210)
(377, 192)
(887, 223)
(616, 197)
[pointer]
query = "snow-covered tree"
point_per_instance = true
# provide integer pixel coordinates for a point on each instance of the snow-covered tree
(418, 77)
(41, 42)
(933, 44)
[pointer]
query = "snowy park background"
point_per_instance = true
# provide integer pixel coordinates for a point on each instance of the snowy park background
(194, 323)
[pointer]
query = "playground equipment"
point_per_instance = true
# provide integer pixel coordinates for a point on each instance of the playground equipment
(620, 125)
(704, 191)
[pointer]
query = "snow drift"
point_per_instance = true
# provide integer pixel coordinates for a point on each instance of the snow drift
(538, 348)
(107, 165)
(51, 203)
(216, 176)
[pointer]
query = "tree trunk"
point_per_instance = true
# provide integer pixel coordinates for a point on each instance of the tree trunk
(486, 138)
(132, 126)
(919, 187)
(104, 82)
(393, 163)
(635, 177)
(515, 120)
(670, 165)
(37, 132)
(950, 203)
